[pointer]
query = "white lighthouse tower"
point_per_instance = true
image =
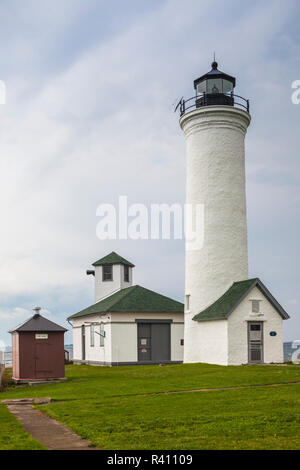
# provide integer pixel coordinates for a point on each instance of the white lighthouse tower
(215, 124)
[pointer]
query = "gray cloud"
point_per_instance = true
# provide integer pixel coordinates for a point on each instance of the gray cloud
(91, 119)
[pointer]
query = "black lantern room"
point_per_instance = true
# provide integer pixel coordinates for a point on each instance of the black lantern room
(214, 88)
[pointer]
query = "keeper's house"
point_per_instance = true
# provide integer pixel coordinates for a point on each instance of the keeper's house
(127, 324)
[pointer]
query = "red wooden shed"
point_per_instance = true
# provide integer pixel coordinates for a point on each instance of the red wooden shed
(38, 350)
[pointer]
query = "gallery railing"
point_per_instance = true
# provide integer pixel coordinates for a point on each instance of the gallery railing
(212, 99)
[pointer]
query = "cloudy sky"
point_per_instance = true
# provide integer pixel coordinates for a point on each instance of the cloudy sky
(91, 87)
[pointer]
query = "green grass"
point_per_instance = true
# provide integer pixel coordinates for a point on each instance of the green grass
(12, 434)
(97, 382)
(236, 419)
(101, 404)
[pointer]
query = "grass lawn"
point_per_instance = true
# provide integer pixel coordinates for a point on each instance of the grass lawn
(12, 434)
(101, 405)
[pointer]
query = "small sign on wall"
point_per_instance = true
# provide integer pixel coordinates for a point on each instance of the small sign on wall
(273, 333)
(41, 336)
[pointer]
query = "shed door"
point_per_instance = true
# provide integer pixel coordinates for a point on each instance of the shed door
(255, 341)
(43, 360)
(154, 342)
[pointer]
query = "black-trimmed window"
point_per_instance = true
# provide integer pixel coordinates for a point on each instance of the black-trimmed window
(126, 273)
(107, 273)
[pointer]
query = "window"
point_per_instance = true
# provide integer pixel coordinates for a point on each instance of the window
(255, 306)
(201, 88)
(107, 274)
(102, 334)
(227, 86)
(126, 273)
(214, 85)
(187, 302)
(92, 335)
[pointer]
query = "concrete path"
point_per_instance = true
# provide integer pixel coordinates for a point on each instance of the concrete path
(52, 434)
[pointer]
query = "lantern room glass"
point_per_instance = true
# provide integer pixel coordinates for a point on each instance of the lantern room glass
(215, 85)
(227, 86)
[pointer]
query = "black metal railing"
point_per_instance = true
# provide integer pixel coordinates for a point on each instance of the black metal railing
(212, 99)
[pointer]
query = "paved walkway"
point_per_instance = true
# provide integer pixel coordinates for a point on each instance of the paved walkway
(52, 434)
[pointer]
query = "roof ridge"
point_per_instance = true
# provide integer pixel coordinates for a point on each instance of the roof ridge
(112, 258)
(126, 295)
(246, 280)
(235, 283)
(133, 299)
(223, 306)
(157, 293)
(21, 324)
(38, 321)
(253, 283)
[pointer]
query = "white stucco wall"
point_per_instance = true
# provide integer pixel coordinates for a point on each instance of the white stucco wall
(105, 288)
(177, 334)
(215, 177)
(124, 334)
(238, 330)
(76, 342)
(208, 342)
(120, 344)
(95, 353)
(124, 342)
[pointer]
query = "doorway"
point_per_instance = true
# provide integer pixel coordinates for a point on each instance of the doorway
(154, 343)
(255, 342)
(43, 363)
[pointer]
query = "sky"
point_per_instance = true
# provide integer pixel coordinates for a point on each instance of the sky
(90, 93)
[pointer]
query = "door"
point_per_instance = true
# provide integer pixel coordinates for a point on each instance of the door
(255, 342)
(83, 343)
(160, 336)
(43, 366)
(144, 342)
(154, 342)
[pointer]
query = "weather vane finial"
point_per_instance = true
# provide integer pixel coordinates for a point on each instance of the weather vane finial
(214, 64)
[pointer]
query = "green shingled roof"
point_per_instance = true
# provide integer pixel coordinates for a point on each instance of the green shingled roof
(133, 299)
(113, 258)
(222, 308)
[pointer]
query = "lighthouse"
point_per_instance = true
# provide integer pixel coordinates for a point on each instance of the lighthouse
(224, 310)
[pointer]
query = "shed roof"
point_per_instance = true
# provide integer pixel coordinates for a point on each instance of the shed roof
(228, 302)
(113, 258)
(38, 323)
(133, 299)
